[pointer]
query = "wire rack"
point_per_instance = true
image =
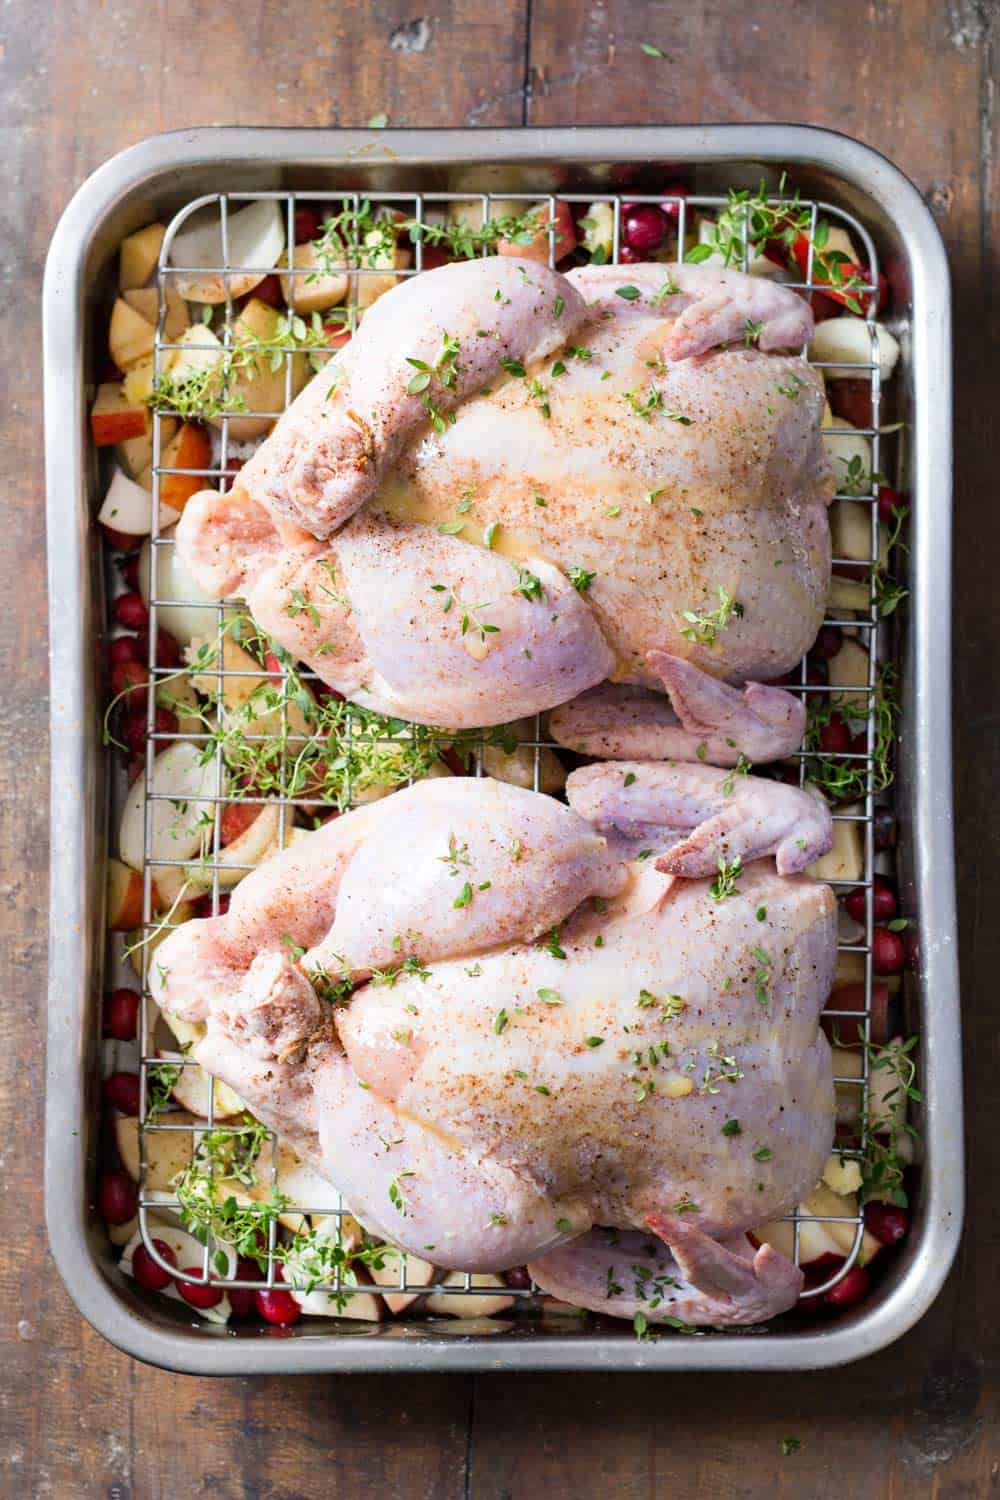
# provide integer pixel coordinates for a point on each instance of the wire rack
(864, 627)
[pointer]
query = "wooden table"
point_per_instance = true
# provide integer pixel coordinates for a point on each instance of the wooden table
(916, 79)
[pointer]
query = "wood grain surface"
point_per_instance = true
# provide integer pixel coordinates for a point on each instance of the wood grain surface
(915, 78)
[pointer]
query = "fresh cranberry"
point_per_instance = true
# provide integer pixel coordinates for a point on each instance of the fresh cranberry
(117, 1198)
(627, 256)
(121, 1015)
(669, 205)
(133, 729)
(518, 1279)
(851, 400)
(844, 1029)
(827, 643)
(121, 1092)
(887, 1222)
(201, 1294)
(122, 541)
(269, 291)
(130, 611)
(644, 228)
(128, 677)
(306, 225)
(889, 502)
(168, 653)
(888, 953)
(434, 256)
(835, 737)
(233, 467)
(145, 1269)
(276, 1305)
(883, 902)
(125, 648)
(203, 905)
(884, 828)
(243, 1300)
(850, 1290)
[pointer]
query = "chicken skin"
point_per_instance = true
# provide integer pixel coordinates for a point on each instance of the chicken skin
(493, 1026)
(585, 489)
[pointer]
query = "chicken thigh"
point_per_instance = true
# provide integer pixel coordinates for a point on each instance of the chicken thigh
(584, 487)
(492, 1028)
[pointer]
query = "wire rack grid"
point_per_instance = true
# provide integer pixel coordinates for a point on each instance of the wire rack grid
(292, 801)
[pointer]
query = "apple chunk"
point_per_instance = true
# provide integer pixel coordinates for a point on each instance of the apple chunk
(256, 238)
(138, 256)
(124, 906)
(130, 337)
(114, 417)
(189, 448)
(419, 1273)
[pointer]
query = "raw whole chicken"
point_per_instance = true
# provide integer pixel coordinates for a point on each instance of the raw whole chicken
(515, 487)
(496, 1024)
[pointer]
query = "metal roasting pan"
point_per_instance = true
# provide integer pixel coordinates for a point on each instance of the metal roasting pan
(153, 180)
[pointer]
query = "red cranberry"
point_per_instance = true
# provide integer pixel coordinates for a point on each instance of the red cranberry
(827, 643)
(889, 502)
(130, 611)
(117, 1198)
(883, 902)
(128, 677)
(644, 227)
(306, 225)
(200, 1294)
(121, 541)
(125, 648)
(887, 1222)
(517, 1278)
(669, 205)
(848, 1032)
(850, 1290)
(852, 401)
(203, 905)
(888, 953)
(233, 467)
(121, 1015)
(133, 729)
(145, 1269)
(121, 1092)
(269, 291)
(884, 828)
(168, 653)
(276, 1305)
(627, 256)
(835, 737)
(243, 1300)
